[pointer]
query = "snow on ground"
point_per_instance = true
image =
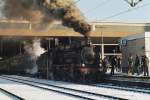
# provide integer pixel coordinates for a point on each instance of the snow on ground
(4, 96)
(66, 90)
(101, 90)
(30, 93)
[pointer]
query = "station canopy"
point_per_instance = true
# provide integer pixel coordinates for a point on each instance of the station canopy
(99, 29)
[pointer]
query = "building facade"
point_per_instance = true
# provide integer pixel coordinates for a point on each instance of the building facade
(137, 44)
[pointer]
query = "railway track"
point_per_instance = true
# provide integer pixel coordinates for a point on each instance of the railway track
(64, 90)
(10, 95)
(140, 90)
(102, 87)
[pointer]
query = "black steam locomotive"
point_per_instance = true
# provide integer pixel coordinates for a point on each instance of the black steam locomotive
(78, 61)
(66, 59)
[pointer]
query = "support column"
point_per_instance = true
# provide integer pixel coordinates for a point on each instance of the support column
(102, 43)
(102, 51)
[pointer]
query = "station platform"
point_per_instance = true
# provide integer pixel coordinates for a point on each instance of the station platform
(125, 79)
(120, 74)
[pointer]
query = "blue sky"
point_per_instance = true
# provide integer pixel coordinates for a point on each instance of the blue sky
(98, 10)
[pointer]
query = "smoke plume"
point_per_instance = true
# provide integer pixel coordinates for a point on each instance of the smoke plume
(46, 11)
(34, 50)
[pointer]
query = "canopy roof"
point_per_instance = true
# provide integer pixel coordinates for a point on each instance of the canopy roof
(105, 29)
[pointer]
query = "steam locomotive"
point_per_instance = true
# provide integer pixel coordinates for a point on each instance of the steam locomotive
(75, 61)
(65, 59)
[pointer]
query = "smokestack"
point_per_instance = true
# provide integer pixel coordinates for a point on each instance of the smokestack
(46, 11)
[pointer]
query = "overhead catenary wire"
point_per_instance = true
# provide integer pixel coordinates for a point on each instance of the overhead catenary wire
(98, 6)
(77, 1)
(125, 11)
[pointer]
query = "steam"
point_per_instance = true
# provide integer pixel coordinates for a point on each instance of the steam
(34, 50)
(46, 11)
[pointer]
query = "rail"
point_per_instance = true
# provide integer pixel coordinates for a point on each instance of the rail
(11, 94)
(64, 88)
